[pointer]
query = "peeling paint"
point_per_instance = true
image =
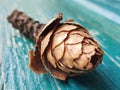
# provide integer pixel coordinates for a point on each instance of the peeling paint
(16, 73)
(8, 42)
(31, 45)
(20, 44)
(26, 56)
(94, 32)
(23, 74)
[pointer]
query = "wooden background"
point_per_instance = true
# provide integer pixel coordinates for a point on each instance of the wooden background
(100, 17)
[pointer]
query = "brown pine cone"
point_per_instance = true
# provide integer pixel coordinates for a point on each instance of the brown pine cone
(62, 49)
(25, 24)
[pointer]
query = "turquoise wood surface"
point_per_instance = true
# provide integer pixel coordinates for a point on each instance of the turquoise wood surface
(100, 17)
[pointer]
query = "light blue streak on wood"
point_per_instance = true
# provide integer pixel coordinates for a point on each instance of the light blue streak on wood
(102, 19)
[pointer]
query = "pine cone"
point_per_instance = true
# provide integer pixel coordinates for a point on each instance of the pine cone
(62, 49)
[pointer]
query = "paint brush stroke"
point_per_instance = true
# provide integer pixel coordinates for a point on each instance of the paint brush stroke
(107, 14)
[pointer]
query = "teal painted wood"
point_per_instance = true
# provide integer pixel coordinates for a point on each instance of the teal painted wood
(100, 17)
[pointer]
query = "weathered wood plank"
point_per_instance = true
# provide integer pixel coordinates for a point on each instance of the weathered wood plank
(14, 47)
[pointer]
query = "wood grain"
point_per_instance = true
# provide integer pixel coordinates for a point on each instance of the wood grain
(100, 17)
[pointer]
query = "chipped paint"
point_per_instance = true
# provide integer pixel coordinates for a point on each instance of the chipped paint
(0, 52)
(15, 73)
(24, 39)
(8, 43)
(26, 56)
(17, 33)
(23, 74)
(31, 45)
(20, 44)
(94, 32)
(13, 39)
(25, 87)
